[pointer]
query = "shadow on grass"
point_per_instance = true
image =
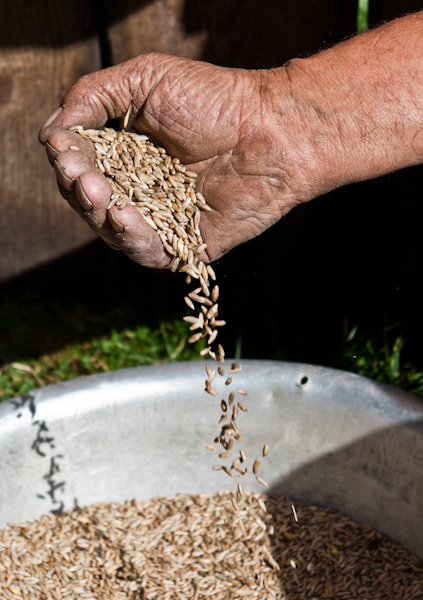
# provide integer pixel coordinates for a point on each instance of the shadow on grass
(90, 312)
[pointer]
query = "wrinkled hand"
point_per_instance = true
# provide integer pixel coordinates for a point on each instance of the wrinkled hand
(219, 122)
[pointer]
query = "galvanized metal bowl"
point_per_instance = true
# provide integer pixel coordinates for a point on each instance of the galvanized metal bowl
(336, 439)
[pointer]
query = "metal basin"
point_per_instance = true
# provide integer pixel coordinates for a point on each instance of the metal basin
(336, 439)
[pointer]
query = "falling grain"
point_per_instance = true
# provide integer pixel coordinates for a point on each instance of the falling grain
(210, 447)
(262, 482)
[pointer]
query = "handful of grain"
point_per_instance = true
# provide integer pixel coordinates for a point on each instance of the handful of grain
(163, 191)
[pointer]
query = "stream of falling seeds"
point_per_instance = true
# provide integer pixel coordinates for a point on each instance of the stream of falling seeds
(163, 191)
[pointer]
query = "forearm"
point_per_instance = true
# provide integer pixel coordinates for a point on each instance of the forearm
(359, 106)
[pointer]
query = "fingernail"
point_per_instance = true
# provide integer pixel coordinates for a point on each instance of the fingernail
(52, 117)
(51, 152)
(66, 181)
(117, 226)
(83, 199)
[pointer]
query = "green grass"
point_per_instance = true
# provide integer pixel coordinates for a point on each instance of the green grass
(377, 354)
(47, 342)
(362, 16)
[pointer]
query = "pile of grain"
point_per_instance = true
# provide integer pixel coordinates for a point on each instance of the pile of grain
(189, 547)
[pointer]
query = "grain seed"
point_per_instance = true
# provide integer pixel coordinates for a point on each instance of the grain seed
(194, 338)
(238, 467)
(191, 319)
(261, 481)
(216, 323)
(228, 471)
(234, 504)
(211, 272)
(189, 303)
(212, 337)
(113, 200)
(200, 249)
(201, 300)
(212, 311)
(246, 590)
(211, 374)
(270, 558)
(212, 391)
(215, 293)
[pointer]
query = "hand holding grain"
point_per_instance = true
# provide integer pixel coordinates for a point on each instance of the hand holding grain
(215, 120)
(260, 141)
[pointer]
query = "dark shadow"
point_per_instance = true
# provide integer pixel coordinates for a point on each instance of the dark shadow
(347, 258)
(85, 294)
(385, 10)
(241, 32)
(54, 23)
(251, 34)
(376, 481)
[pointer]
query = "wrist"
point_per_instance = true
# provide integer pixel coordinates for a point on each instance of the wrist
(306, 139)
(355, 111)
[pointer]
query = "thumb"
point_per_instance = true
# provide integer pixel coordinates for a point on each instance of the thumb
(106, 94)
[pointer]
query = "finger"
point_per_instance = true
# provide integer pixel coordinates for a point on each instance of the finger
(91, 101)
(86, 190)
(93, 192)
(108, 94)
(68, 140)
(137, 239)
(70, 165)
(121, 229)
(91, 197)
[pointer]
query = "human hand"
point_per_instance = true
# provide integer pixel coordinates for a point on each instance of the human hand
(219, 122)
